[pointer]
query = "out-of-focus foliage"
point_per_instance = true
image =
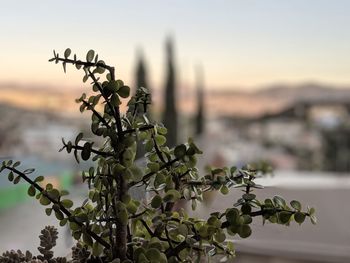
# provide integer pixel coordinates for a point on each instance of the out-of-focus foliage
(48, 239)
(111, 225)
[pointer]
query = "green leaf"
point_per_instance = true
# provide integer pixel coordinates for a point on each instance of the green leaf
(284, 217)
(48, 211)
(192, 161)
(268, 203)
(279, 201)
(17, 179)
(194, 147)
(244, 231)
(11, 176)
(31, 190)
(79, 137)
(296, 205)
(162, 130)
(172, 195)
(160, 139)
(149, 145)
(187, 193)
(39, 179)
(126, 198)
(128, 157)
(183, 230)
(76, 235)
(159, 179)
(63, 222)
(311, 211)
(44, 200)
(203, 231)
(232, 215)
(313, 220)
(115, 101)
(180, 151)
(28, 171)
(299, 217)
(246, 208)
(154, 167)
(194, 204)
(59, 215)
(137, 173)
(132, 207)
(108, 76)
(67, 203)
(74, 226)
(87, 239)
(224, 190)
(99, 70)
(112, 86)
(54, 194)
(96, 228)
(97, 249)
(85, 78)
(67, 52)
(156, 201)
(249, 197)
(124, 91)
(86, 152)
(153, 254)
(64, 192)
(233, 169)
(220, 236)
(90, 55)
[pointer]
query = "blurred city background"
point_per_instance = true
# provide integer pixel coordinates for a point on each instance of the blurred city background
(249, 81)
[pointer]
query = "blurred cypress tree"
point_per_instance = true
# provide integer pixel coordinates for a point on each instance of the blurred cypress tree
(200, 102)
(141, 72)
(170, 114)
(141, 81)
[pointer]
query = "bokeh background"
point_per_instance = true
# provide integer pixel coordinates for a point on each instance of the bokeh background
(254, 81)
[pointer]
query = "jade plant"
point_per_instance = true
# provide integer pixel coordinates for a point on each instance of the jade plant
(112, 225)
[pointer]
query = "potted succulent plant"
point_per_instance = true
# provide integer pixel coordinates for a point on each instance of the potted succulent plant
(112, 226)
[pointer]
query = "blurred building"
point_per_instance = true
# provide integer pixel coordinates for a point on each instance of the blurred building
(311, 135)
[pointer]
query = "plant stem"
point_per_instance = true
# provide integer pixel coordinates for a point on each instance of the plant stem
(121, 237)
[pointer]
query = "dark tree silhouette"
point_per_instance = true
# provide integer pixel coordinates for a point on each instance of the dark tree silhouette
(200, 102)
(170, 114)
(141, 72)
(141, 81)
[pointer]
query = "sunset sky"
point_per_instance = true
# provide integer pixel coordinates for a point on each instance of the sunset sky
(245, 44)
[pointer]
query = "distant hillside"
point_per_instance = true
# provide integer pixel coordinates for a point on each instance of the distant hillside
(44, 98)
(218, 102)
(271, 98)
(308, 91)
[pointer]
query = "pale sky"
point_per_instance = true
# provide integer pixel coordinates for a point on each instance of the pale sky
(247, 43)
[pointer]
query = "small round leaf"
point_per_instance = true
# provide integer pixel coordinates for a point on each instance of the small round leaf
(90, 55)
(31, 190)
(156, 201)
(67, 52)
(124, 91)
